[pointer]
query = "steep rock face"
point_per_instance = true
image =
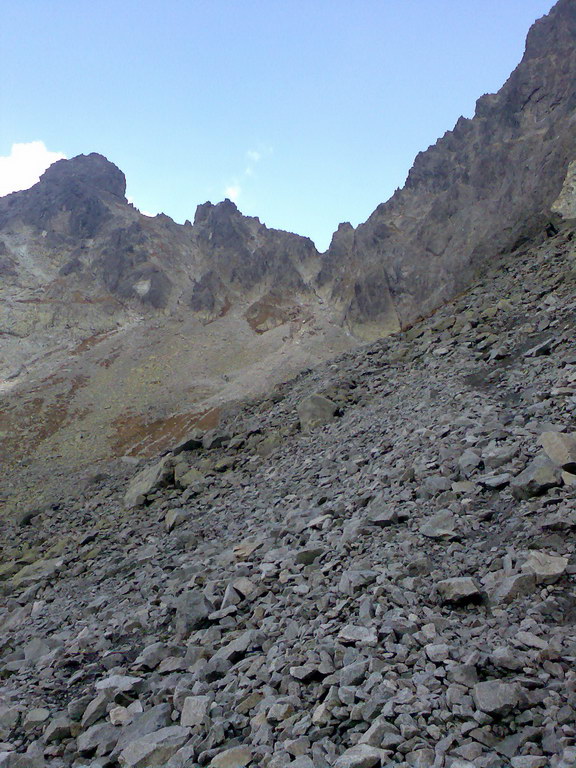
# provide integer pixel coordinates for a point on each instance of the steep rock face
(245, 259)
(70, 199)
(76, 259)
(482, 189)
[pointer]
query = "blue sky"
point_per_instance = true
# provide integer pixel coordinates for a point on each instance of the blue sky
(307, 113)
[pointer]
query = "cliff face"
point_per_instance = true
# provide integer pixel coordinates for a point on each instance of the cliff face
(76, 260)
(480, 190)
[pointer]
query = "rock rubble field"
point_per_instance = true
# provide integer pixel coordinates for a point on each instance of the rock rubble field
(374, 565)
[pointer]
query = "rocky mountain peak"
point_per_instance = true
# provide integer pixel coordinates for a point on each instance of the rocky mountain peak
(483, 188)
(557, 27)
(93, 171)
(212, 213)
(71, 200)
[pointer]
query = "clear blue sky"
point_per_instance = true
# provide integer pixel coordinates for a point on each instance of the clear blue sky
(309, 112)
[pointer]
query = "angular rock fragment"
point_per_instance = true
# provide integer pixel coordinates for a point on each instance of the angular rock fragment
(546, 568)
(495, 697)
(153, 749)
(235, 757)
(459, 590)
(560, 449)
(314, 411)
(361, 756)
(148, 480)
(538, 477)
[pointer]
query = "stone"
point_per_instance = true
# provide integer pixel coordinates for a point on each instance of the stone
(147, 481)
(538, 477)
(461, 589)
(195, 711)
(192, 611)
(361, 756)
(153, 749)
(547, 569)
(442, 525)
(364, 636)
(235, 757)
(57, 730)
(560, 449)
(315, 411)
(496, 698)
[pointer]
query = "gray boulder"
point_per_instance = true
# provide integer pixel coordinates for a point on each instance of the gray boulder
(314, 411)
(149, 480)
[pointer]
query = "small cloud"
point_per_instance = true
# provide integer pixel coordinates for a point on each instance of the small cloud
(24, 165)
(233, 192)
(144, 213)
(252, 157)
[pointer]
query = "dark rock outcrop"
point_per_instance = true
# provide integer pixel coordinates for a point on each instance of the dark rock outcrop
(70, 197)
(486, 187)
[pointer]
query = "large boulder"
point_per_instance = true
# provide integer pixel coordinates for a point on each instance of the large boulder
(149, 480)
(538, 477)
(496, 698)
(314, 411)
(560, 449)
(154, 749)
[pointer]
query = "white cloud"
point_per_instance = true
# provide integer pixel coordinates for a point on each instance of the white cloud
(252, 157)
(24, 165)
(233, 192)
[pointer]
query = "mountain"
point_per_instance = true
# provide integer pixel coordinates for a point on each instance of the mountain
(370, 566)
(235, 536)
(484, 188)
(120, 332)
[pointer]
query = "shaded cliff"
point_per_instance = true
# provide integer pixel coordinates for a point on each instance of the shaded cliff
(484, 188)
